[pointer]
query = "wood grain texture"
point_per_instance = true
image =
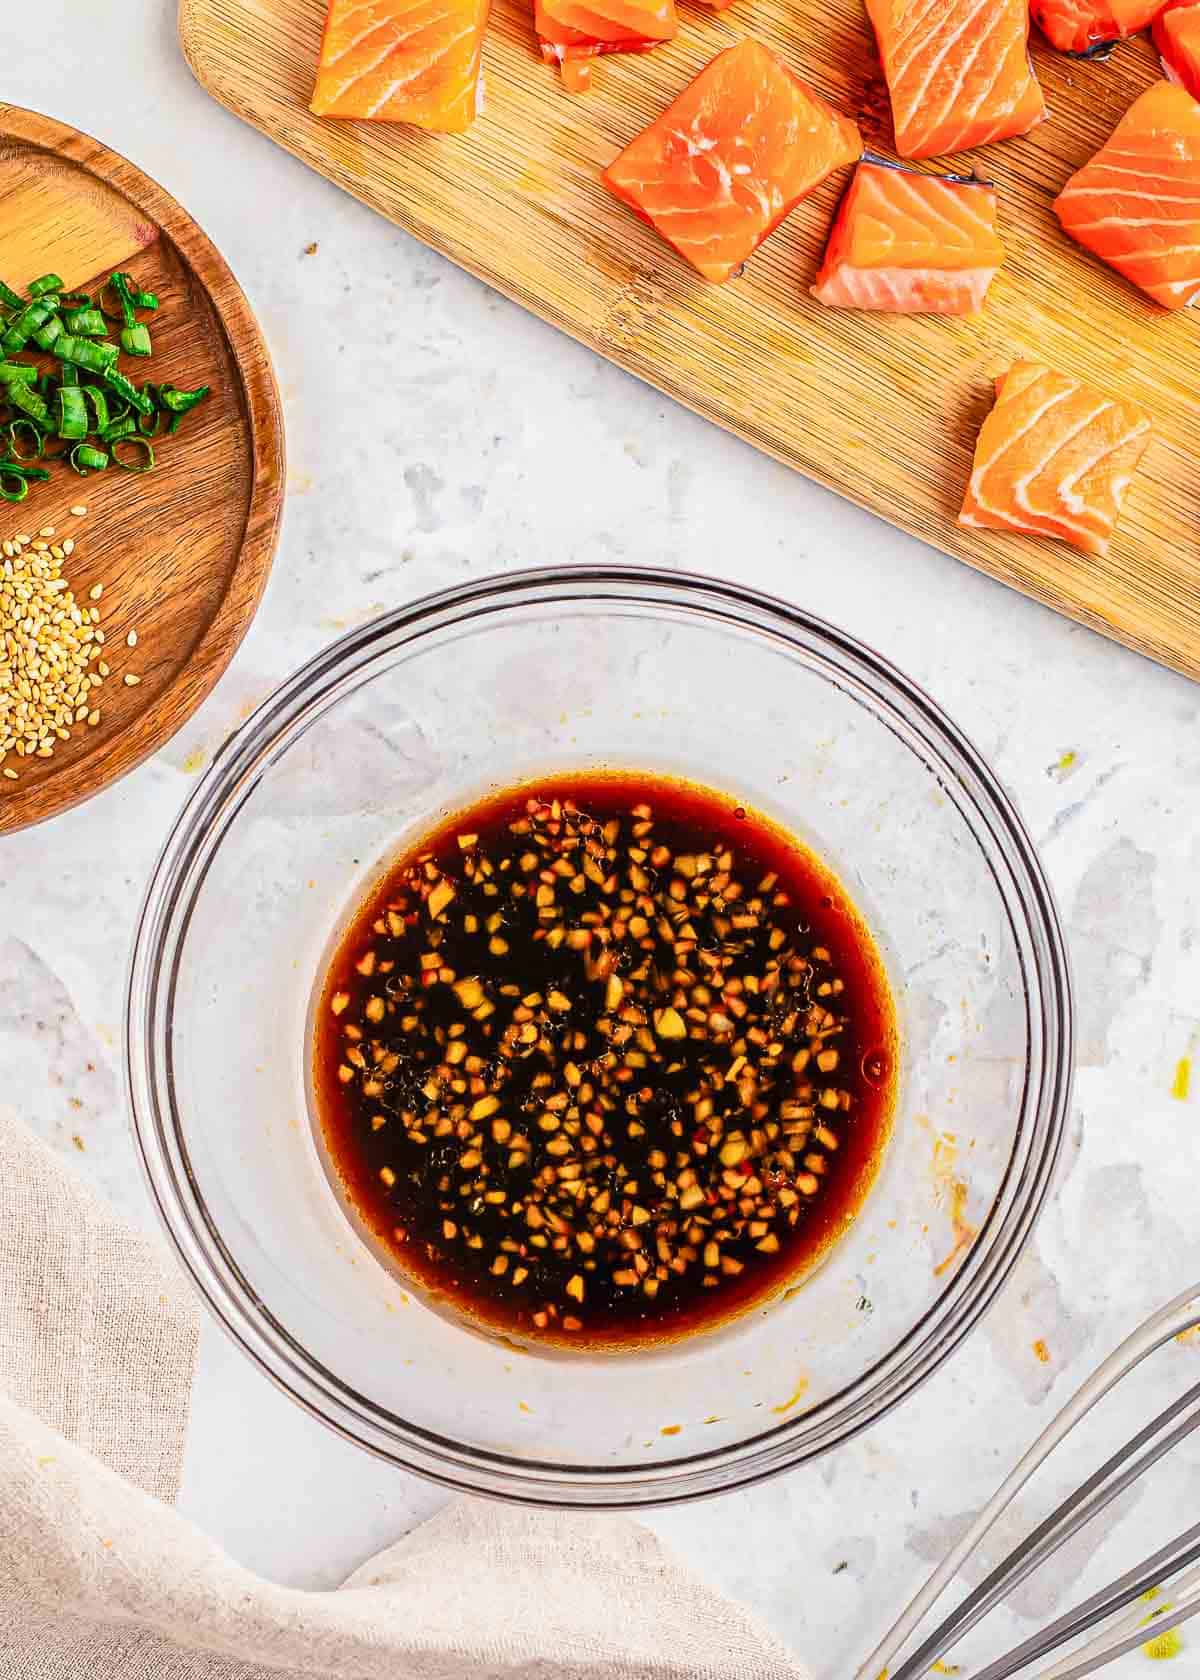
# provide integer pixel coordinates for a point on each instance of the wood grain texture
(882, 409)
(183, 551)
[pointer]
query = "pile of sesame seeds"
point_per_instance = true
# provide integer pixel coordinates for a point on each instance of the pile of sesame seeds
(53, 659)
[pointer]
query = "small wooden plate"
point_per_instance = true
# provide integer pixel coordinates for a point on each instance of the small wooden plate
(183, 551)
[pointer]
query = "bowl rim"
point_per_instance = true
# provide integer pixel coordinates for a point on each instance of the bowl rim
(970, 1289)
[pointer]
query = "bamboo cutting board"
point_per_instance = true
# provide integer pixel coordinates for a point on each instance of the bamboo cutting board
(883, 409)
(182, 552)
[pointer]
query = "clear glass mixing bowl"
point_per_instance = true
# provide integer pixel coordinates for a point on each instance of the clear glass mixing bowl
(410, 717)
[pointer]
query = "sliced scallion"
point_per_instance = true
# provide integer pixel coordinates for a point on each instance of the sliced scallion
(86, 322)
(85, 353)
(135, 337)
(48, 331)
(15, 480)
(118, 429)
(9, 298)
(98, 402)
(117, 382)
(20, 429)
(44, 284)
(86, 460)
(135, 340)
(23, 326)
(72, 413)
(18, 373)
(31, 404)
(141, 443)
(176, 401)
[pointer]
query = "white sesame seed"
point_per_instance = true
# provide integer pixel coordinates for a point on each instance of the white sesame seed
(69, 546)
(44, 652)
(46, 531)
(131, 681)
(95, 592)
(79, 510)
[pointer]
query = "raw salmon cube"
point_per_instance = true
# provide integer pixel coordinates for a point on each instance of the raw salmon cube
(1177, 37)
(913, 244)
(1054, 458)
(726, 162)
(1083, 27)
(957, 71)
(574, 32)
(1137, 203)
(409, 61)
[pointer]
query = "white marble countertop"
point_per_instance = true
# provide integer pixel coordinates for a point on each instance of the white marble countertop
(490, 441)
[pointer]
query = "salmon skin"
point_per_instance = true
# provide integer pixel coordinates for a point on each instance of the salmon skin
(1054, 459)
(1136, 205)
(1177, 37)
(913, 244)
(958, 72)
(726, 161)
(409, 61)
(573, 33)
(1089, 28)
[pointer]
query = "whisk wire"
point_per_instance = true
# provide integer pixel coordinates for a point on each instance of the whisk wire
(1119, 1472)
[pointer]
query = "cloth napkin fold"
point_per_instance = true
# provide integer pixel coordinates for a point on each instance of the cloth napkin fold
(100, 1579)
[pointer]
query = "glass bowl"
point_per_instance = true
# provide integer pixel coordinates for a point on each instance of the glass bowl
(410, 718)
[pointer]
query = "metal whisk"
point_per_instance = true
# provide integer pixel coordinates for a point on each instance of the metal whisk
(1106, 1615)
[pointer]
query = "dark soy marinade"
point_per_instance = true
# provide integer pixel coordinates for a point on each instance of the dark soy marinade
(605, 1060)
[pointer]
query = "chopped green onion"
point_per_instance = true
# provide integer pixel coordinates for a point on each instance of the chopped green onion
(126, 388)
(85, 459)
(141, 443)
(179, 402)
(16, 430)
(72, 413)
(27, 475)
(88, 411)
(118, 429)
(99, 406)
(23, 326)
(49, 330)
(97, 358)
(30, 403)
(135, 340)
(87, 322)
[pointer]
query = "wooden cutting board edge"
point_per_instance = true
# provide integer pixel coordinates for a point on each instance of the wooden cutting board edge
(222, 636)
(1005, 568)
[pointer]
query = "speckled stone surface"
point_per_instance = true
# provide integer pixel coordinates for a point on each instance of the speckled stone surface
(438, 433)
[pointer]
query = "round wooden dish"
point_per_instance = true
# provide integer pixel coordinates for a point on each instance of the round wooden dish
(183, 551)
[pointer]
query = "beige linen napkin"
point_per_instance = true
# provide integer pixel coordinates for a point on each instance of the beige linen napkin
(101, 1580)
